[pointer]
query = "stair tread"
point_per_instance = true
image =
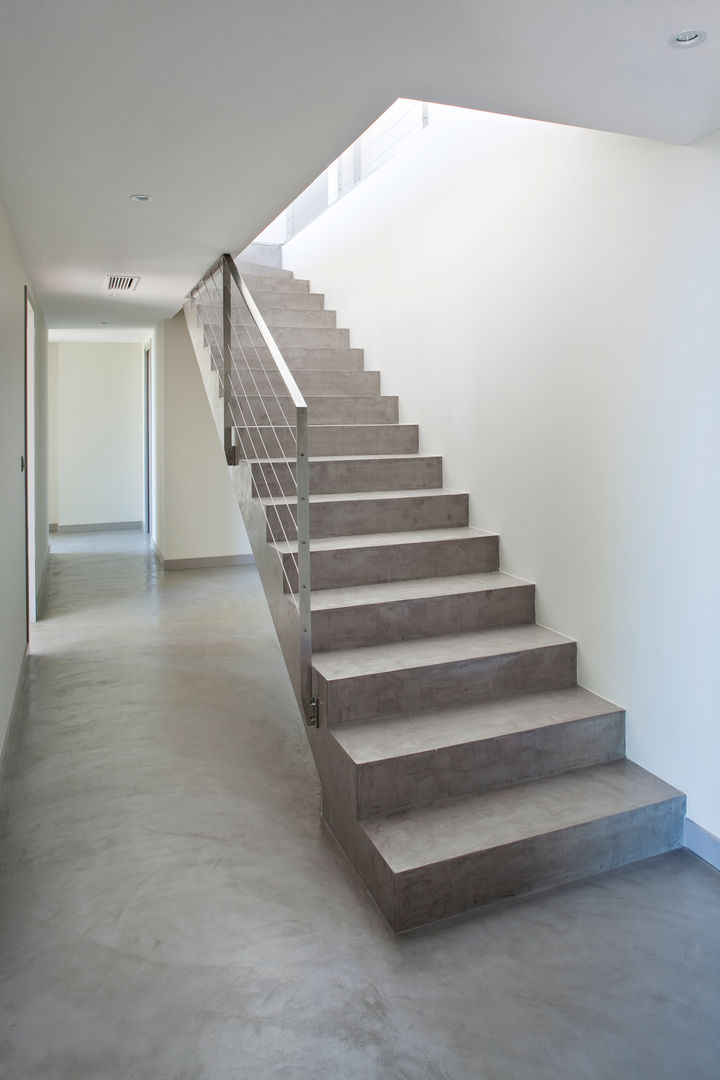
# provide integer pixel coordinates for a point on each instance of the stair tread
(411, 839)
(311, 399)
(418, 588)
(366, 496)
(403, 735)
(272, 309)
(271, 294)
(323, 372)
(339, 458)
(371, 540)
(424, 652)
(341, 426)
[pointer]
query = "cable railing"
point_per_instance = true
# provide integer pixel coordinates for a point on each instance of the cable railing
(265, 426)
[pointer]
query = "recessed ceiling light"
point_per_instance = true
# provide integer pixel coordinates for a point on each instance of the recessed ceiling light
(141, 198)
(685, 39)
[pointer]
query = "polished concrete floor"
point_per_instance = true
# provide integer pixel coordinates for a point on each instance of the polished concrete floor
(170, 908)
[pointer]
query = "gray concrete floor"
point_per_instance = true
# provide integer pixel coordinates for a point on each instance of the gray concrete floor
(170, 908)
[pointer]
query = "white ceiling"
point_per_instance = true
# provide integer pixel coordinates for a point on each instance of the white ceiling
(224, 110)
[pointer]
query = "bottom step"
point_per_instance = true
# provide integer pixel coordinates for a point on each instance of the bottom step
(454, 856)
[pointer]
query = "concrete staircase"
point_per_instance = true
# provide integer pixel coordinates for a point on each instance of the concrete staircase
(460, 762)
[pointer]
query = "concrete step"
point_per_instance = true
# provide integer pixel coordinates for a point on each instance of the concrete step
(310, 383)
(259, 411)
(455, 669)
(369, 511)
(274, 282)
(278, 317)
(309, 336)
(330, 440)
(275, 316)
(364, 560)
(345, 618)
(315, 358)
(330, 476)
(249, 269)
(297, 358)
(441, 754)
(453, 856)
(288, 301)
(248, 335)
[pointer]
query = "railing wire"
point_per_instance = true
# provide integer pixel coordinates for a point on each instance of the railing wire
(265, 412)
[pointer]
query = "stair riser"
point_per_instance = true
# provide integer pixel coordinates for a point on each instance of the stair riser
(370, 697)
(379, 624)
(401, 562)
(276, 317)
(307, 336)
(448, 888)
(282, 283)
(288, 301)
(362, 474)
(329, 440)
(310, 383)
(420, 779)
(263, 264)
(297, 358)
(372, 516)
(331, 410)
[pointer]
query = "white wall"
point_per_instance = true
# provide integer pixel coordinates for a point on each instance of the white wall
(13, 280)
(545, 301)
(196, 512)
(99, 417)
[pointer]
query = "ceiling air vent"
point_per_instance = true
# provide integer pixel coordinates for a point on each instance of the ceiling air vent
(121, 283)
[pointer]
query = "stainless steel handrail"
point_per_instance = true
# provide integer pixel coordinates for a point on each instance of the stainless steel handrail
(232, 296)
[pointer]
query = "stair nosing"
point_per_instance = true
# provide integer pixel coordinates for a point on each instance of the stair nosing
(339, 458)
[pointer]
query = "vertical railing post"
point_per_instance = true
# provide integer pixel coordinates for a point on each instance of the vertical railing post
(227, 359)
(303, 528)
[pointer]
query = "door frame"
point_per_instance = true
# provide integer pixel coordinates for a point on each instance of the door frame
(28, 466)
(147, 440)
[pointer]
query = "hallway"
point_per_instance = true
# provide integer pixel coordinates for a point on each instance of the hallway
(171, 909)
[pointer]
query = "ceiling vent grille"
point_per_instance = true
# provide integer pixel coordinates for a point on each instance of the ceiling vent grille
(121, 283)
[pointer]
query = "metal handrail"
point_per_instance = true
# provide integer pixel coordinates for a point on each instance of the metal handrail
(232, 296)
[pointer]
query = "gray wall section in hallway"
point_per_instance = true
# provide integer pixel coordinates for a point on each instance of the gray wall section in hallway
(171, 908)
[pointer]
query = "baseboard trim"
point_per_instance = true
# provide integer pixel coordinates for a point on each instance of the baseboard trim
(14, 714)
(99, 526)
(52, 527)
(206, 563)
(702, 843)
